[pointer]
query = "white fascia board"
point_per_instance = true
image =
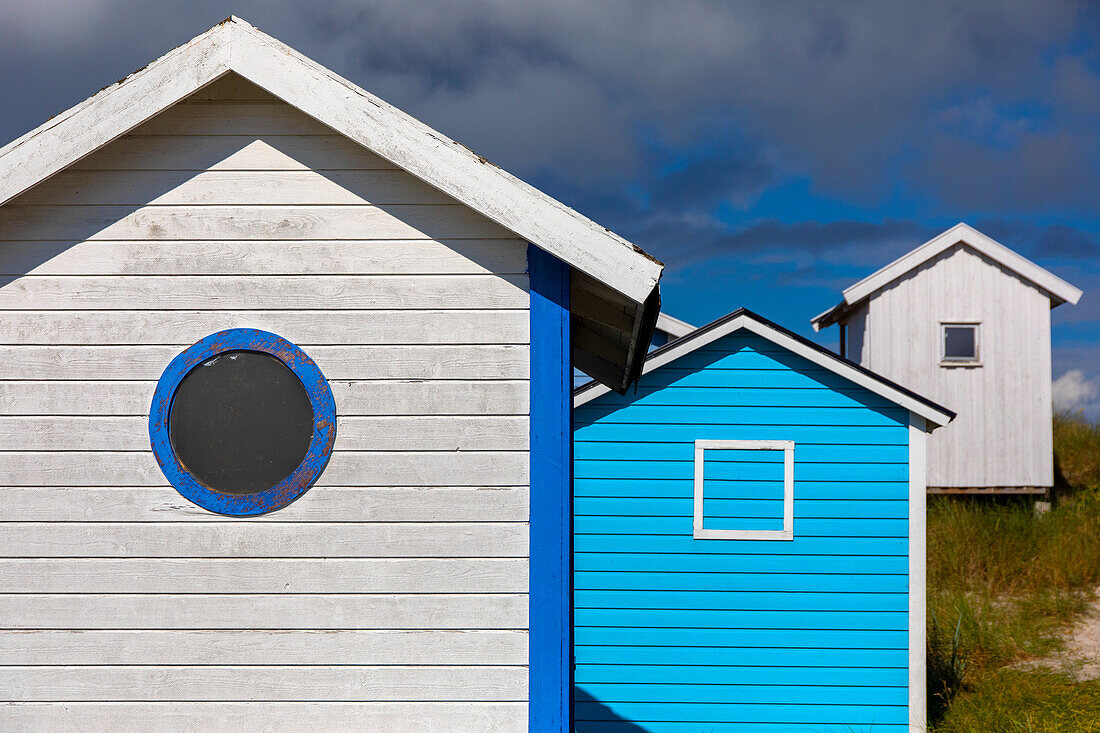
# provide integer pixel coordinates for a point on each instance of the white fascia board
(673, 326)
(1058, 288)
(113, 111)
(918, 528)
(234, 45)
(935, 418)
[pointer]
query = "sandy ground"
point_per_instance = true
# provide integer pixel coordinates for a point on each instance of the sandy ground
(1081, 657)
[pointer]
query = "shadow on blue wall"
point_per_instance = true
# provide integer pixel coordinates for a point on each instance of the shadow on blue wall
(593, 716)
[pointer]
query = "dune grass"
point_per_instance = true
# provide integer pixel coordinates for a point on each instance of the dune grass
(1003, 583)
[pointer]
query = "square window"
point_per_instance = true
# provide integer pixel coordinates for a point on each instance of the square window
(960, 343)
(744, 490)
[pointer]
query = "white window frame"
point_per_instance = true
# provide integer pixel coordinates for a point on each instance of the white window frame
(787, 533)
(955, 361)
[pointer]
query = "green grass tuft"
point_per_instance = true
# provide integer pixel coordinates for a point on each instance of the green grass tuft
(1003, 583)
(1012, 701)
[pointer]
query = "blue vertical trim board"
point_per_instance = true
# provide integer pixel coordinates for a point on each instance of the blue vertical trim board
(551, 624)
(317, 454)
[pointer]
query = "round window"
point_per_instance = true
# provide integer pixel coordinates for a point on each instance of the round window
(242, 422)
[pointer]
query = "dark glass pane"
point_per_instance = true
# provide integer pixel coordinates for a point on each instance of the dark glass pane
(958, 342)
(240, 422)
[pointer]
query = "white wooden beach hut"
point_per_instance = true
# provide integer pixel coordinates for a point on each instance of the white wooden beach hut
(235, 209)
(966, 321)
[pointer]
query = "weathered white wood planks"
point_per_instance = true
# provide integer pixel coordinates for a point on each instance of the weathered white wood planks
(122, 398)
(449, 433)
(238, 152)
(181, 223)
(354, 503)
(345, 468)
(274, 257)
(240, 188)
(288, 292)
(222, 717)
(342, 575)
(118, 647)
(264, 682)
(234, 538)
(473, 373)
(263, 612)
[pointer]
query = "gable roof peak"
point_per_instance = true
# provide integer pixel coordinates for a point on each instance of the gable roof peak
(234, 45)
(1058, 290)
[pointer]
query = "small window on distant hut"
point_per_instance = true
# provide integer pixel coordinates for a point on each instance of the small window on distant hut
(744, 490)
(960, 343)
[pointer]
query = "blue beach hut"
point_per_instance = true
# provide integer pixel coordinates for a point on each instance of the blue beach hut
(749, 541)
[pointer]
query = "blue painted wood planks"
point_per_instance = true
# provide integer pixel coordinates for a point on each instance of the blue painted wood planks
(674, 633)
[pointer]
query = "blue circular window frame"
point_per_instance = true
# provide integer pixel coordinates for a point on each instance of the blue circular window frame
(320, 445)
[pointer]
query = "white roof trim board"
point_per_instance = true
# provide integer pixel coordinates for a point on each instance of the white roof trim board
(235, 46)
(743, 319)
(674, 327)
(1060, 291)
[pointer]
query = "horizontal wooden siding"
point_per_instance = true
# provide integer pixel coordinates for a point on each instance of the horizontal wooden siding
(393, 595)
(676, 634)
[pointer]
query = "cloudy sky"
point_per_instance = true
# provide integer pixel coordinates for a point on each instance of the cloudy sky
(769, 153)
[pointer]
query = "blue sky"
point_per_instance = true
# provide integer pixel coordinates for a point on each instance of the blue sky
(769, 153)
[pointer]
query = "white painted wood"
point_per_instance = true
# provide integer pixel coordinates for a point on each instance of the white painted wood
(918, 591)
(264, 683)
(673, 327)
(341, 328)
(55, 647)
(279, 257)
(449, 717)
(234, 188)
(132, 398)
(456, 364)
(244, 151)
(171, 223)
(320, 504)
(450, 433)
(253, 292)
(228, 115)
(701, 532)
(234, 538)
(346, 468)
(934, 414)
(1002, 437)
(76, 398)
(343, 575)
(270, 612)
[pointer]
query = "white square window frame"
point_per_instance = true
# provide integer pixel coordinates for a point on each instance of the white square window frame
(956, 362)
(787, 533)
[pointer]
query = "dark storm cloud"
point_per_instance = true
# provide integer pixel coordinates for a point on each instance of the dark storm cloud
(771, 240)
(843, 90)
(1056, 241)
